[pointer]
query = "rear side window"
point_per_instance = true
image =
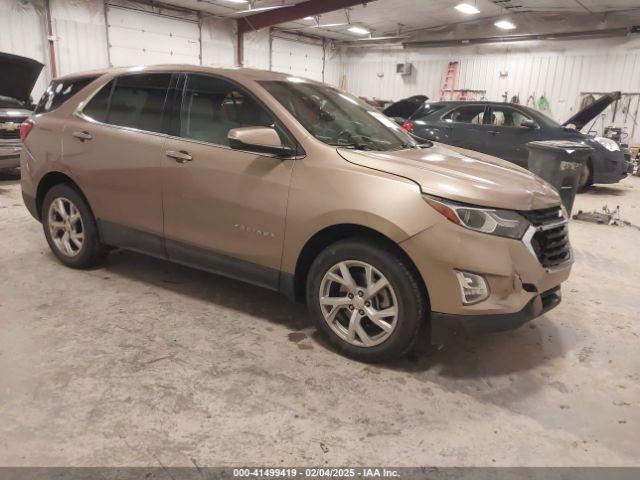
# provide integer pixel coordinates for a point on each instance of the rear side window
(135, 101)
(59, 91)
(98, 107)
(471, 114)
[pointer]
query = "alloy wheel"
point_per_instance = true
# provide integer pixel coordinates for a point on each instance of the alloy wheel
(358, 303)
(66, 227)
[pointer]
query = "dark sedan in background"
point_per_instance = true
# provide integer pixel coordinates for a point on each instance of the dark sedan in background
(504, 129)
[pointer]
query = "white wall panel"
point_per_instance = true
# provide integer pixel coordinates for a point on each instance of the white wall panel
(257, 49)
(301, 58)
(81, 35)
(22, 33)
(558, 70)
(218, 43)
(139, 38)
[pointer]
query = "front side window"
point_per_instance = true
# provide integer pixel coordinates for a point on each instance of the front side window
(337, 118)
(473, 114)
(212, 106)
(507, 117)
(59, 91)
(135, 101)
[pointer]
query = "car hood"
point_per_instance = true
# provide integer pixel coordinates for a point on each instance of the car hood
(19, 75)
(591, 111)
(462, 175)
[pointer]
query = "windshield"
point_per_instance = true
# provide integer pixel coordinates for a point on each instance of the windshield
(337, 118)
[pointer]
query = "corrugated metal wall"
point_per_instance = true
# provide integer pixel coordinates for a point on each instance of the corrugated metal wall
(22, 33)
(558, 70)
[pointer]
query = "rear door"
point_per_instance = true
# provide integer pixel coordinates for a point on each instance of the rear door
(507, 138)
(468, 128)
(114, 147)
(224, 209)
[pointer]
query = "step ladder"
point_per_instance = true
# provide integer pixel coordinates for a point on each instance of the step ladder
(450, 81)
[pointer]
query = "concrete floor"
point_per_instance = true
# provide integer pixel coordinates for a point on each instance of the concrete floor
(142, 362)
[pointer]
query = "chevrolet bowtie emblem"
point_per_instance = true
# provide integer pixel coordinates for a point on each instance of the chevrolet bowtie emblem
(9, 126)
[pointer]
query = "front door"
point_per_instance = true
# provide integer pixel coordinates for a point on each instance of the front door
(224, 209)
(114, 150)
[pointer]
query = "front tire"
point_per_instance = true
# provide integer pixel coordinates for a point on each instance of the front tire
(366, 300)
(70, 228)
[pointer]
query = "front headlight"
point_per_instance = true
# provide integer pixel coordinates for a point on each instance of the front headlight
(607, 143)
(504, 223)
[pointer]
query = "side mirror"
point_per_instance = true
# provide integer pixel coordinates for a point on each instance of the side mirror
(259, 140)
(526, 123)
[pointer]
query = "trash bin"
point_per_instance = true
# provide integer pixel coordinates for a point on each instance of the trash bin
(560, 163)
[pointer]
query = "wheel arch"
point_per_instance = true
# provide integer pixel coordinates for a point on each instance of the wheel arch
(335, 233)
(50, 180)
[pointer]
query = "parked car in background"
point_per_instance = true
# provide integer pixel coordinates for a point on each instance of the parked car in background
(402, 110)
(504, 129)
(295, 186)
(376, 102)
(18, 75)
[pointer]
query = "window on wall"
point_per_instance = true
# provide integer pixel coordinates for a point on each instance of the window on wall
(135, 101)
(212, 106)
(470, 114)
(507, 117)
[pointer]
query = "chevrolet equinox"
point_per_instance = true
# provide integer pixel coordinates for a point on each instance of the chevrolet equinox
(299, 187)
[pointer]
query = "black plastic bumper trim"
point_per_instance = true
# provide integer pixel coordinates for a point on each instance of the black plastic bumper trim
(445, 326)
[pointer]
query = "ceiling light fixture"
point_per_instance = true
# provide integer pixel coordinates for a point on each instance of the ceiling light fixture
(238, 1)
(308, 18)
(505, 25)
(327, 25)
(251, 11)
(358, 30)
(466, 8)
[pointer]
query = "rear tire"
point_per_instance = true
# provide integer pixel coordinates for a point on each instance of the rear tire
(70, 228)
(366, 300)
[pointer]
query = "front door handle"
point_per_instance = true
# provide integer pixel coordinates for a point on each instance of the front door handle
(82, 136)
(180, 157)
(493, 132)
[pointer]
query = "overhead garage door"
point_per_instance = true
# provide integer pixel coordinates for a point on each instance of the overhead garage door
(297, 58)
(141, 38)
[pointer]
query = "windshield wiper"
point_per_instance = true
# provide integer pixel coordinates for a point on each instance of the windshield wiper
(353, 146)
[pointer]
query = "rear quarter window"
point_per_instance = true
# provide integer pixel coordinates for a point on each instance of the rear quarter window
(427, 111)
(59, 91)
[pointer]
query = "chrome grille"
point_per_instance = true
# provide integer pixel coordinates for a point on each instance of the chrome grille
(550, 240)
(10, 127)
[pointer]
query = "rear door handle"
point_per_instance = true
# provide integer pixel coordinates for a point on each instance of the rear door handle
(180, 157)
(82, 136)
(493, 132)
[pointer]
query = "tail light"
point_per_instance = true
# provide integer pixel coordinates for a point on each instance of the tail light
(25, 128)
(408, 126)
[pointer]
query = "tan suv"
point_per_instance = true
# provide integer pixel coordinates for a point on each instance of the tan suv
(298, 187)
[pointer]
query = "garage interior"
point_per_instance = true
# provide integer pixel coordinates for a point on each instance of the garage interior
(146, 363)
